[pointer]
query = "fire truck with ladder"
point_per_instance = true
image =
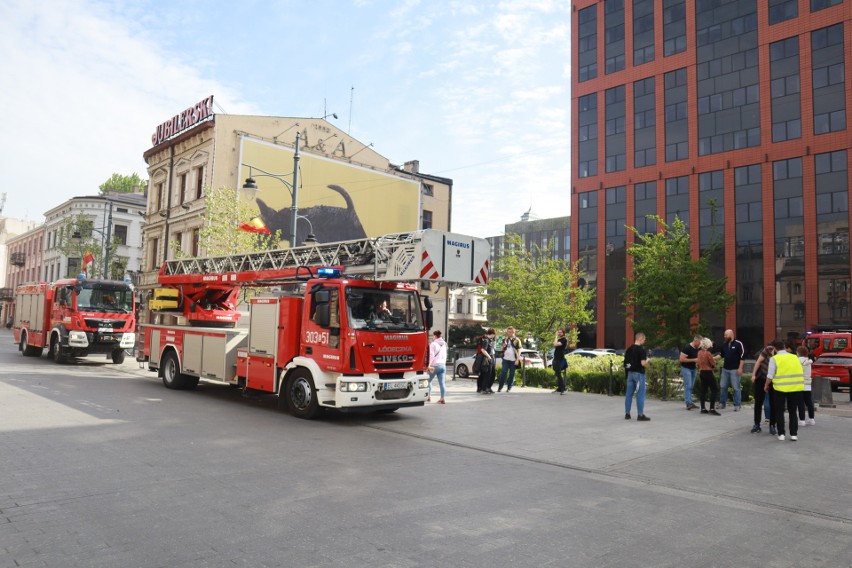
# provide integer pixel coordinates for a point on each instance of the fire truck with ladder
(75, 318)
(338, 326)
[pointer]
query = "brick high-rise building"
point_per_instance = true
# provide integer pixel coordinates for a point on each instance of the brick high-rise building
(731, 114)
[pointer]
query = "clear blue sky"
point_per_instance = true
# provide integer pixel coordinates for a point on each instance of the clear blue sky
(477, 91)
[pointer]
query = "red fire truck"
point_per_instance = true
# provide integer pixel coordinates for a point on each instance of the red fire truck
(75, 318)
(339, 326)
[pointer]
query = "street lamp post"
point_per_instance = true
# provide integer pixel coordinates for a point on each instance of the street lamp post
(105, 238)
(293, 188)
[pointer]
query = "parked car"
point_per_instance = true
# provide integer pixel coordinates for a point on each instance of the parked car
(530, 357)
(587, 353)
(835, 367)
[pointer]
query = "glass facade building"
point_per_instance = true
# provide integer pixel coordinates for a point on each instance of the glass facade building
(731, 115)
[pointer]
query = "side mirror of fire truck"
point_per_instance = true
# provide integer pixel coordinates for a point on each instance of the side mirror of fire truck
(322, 315)
(428, 317)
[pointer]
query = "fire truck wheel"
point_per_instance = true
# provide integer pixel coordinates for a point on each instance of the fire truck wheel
(118, 356)
(56, 352)
(172, 377)
(29, 350)
(302, 395)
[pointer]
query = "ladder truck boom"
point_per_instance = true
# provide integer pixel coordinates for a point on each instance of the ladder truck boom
(208, 287)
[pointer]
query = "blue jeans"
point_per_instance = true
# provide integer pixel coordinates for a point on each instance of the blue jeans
(508, 367)
(730, 378)
(440, 371)
(688, 382)
(635, 383)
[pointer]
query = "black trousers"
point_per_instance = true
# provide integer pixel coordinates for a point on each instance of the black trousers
(560, 370)
(708, 381)
(488, 382)
(807, 399)
(759, 397)
(791, 399)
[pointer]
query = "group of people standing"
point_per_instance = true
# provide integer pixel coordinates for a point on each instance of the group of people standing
(486, 358)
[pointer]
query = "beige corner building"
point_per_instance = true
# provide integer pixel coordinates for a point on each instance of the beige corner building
(345, 189)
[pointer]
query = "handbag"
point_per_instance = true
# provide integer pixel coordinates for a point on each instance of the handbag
(477, 363)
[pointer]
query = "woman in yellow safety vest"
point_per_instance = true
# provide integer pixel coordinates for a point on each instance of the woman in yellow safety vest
(787, 377)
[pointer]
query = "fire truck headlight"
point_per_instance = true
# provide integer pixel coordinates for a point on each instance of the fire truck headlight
(424, 383)
(353, 387)
(77, 339)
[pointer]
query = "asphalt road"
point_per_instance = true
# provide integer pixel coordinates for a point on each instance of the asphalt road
(100, 465)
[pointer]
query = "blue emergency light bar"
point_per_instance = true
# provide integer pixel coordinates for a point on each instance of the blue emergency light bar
(328, 272)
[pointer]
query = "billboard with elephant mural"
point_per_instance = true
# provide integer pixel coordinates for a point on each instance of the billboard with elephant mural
(340, 201)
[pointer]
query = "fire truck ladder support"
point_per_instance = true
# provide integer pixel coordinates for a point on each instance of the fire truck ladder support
(361, 256)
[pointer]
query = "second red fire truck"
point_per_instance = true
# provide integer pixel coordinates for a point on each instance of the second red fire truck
(341, 325)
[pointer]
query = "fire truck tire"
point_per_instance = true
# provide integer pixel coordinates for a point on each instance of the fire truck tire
(118, 356)
(29, 350)
(56, 352)
(301, 395)
(172, 377)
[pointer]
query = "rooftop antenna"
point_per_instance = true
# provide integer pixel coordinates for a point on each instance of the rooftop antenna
(2, 201)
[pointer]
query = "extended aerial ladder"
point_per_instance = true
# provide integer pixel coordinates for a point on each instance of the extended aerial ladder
(206, 289)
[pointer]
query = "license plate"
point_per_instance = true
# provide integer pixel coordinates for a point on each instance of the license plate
(104, 330)
(833, 378)
(398, 385)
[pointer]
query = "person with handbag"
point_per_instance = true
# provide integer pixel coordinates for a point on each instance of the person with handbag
(560, 365)
(483, 364)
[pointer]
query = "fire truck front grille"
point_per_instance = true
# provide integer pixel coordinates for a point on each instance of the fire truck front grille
(392, 366)
(393, 394)
(103, 324)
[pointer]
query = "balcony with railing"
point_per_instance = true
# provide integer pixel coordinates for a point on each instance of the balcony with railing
(18, 258)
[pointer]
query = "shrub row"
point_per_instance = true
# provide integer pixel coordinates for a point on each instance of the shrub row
(659, 375)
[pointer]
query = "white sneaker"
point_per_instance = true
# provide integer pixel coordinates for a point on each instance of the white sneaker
(801, 422)
(811, 421)
(794, 438)
(781, 437)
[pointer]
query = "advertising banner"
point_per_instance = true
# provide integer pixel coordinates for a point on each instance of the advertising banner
(337, 201)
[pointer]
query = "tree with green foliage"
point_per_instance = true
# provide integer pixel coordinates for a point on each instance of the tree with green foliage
(76, 238)
(669, 291)
(464, 334)
(537, 293)
(122, 184)
(220, 234)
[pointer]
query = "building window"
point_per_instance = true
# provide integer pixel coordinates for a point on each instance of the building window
(644, 123)
(782, 10)
(158, 195)
(428, 189)
(827, 64)
(588, 135)
(427, 220)
(587, 43)
(155, 247)
(643, 31)
(785, 89)
(120, 234)
(613, 35)
(196, 242)
(674, 27)
(459, 305)
(822, 4)
(616, 126)
(181, 188)
(677, 133)
(199, 182)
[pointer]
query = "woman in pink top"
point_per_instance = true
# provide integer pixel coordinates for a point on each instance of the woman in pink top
(437, 364)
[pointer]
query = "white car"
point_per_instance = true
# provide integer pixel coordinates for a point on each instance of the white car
(531, 358)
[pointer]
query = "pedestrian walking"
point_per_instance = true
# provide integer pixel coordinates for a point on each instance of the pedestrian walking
(560, 365)
(437, 364)
(807, 399)
(706, 364)
(688, 359)
(787, 377)
(635, 359)
(761, 393)
(733, 354)
(511, 359)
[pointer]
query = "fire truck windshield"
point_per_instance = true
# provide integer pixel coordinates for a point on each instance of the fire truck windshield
(104, 297)
(376, 309)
